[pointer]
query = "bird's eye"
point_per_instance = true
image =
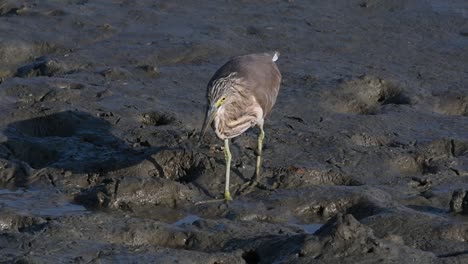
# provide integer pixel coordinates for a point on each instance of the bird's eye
(220, 101)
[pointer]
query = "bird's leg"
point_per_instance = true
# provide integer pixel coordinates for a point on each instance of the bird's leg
(248, 186)
(227, 155)
(261, 136)
(227, 193)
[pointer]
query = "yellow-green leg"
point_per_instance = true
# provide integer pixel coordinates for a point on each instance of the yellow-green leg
(261, 136)
(227, 155)
(227, 193)
(248, 186)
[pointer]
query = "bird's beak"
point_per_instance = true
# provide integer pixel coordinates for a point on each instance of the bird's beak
(210, 114)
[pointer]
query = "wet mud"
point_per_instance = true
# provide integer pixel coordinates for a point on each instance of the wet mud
(365, 155)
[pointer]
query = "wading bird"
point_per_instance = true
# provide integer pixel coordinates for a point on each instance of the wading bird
(240, 95)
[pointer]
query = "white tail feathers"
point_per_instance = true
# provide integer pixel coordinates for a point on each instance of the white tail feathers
(275, 56)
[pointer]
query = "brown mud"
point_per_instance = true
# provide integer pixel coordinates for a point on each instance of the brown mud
(366, 150)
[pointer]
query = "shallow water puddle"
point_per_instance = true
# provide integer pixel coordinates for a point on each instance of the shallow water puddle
(190, 219)
(41, 203)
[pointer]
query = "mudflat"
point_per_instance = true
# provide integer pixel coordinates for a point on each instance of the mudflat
(365, 155)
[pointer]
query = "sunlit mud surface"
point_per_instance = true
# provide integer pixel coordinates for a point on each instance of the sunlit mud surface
(365, 156)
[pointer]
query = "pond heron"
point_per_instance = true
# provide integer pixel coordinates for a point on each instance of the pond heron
(240, 95)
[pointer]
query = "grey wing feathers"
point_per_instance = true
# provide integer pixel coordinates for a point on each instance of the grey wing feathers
(263, 79)
(259, 74)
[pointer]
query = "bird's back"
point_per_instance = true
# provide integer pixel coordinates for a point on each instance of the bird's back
(259, 76)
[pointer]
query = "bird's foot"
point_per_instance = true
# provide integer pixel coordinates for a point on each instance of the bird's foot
(227, 198)
(210, 201)
(248, 187)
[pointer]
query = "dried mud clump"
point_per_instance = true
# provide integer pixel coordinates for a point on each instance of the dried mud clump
(168, 183)
(151, 70)
(15, 222)
(459, 201)
(181, 166)
(115, 73)
(451, 103)
(366, 94)
(11, 7)
(12, 174)
(42, 66)
(342, 239)
(294, 177)
(16, 52)
(370, 140)
(134, 193)
(443, 156)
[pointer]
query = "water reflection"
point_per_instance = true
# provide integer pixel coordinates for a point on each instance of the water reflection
(40, 203)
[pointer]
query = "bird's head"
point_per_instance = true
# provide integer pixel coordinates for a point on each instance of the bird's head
(213, 108)
(220, 90)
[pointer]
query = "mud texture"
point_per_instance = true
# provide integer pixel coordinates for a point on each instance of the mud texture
(365, 156)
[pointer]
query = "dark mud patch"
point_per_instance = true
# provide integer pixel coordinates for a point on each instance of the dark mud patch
(250, 257)
(57, 125)
(59, 139)
(35, 154)
(158, 119)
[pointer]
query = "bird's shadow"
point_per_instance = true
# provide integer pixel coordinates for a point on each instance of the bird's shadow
(81, 143)
(74, 141)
